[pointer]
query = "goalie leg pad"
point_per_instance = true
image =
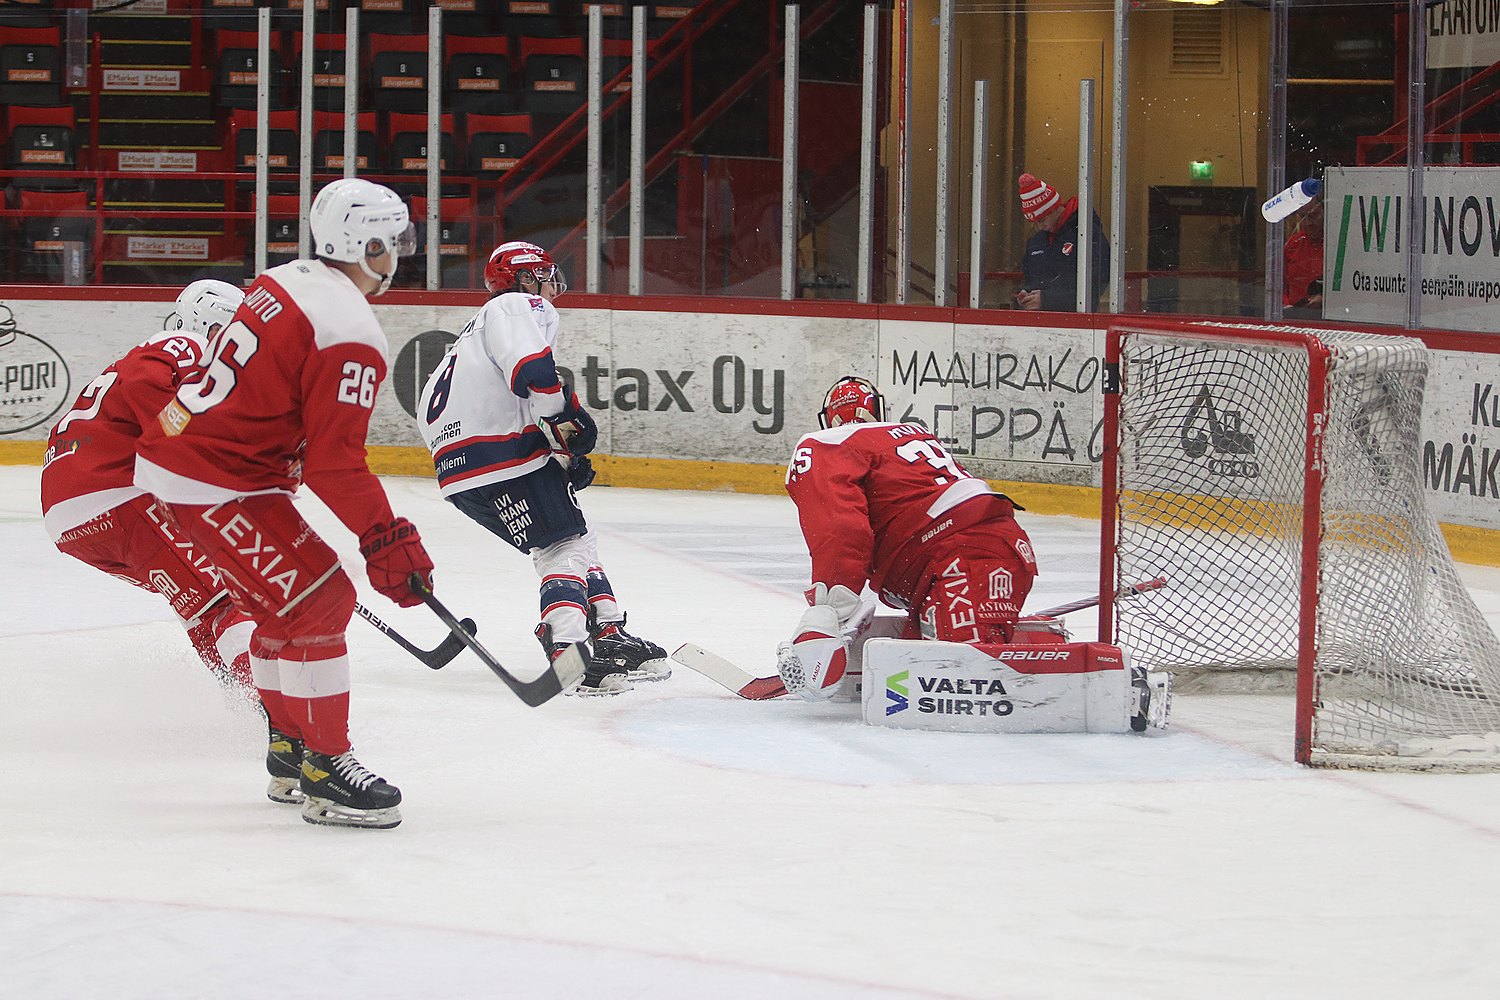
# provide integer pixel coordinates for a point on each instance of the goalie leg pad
(813, 663)
(1080, 687)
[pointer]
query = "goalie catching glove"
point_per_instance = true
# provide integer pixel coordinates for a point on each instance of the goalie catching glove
(573, 432)
(813, 662)
(393, 552)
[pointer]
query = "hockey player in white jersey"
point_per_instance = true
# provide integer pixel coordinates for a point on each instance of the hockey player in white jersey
(510, 444)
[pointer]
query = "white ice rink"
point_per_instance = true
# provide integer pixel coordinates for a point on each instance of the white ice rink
(677, 842)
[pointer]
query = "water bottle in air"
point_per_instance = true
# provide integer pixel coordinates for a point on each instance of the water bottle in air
(1284, 204)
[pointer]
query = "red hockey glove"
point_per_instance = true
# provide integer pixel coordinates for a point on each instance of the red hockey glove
(393, 552)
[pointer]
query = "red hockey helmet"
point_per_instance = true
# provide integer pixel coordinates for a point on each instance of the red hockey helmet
(851, 400)
(510, 260)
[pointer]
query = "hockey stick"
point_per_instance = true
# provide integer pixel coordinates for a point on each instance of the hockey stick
(561, 675)
(719, 670)
(1129, 590)
(745, 684)
(434, 658)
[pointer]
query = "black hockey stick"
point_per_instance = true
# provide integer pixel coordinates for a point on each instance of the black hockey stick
(434, 658)
(561, 675)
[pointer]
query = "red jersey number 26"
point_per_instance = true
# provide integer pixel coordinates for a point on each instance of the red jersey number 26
(229, 351)
(357, 384)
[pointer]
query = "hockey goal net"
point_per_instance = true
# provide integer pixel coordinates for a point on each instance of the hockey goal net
(1273, 476)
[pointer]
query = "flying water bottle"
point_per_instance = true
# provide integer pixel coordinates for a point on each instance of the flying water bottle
(1284, 204)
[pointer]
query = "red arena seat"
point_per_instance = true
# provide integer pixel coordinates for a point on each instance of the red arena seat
(495, 142)
(398, 72)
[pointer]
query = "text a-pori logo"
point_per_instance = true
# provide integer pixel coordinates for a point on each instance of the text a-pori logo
(1216, 433)
(33, 377)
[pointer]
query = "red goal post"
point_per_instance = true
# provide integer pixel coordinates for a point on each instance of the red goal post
(1273, 475)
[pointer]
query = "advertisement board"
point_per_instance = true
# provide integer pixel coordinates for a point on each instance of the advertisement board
(1364, 263)
(1017, 402)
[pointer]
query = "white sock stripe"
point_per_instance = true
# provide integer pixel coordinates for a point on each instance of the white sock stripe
(234, 640)
(265, 673)
(315, 678)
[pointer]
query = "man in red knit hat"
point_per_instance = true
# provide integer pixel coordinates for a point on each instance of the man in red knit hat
(1049, 268)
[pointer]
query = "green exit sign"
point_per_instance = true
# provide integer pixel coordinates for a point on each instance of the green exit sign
(1201, 170)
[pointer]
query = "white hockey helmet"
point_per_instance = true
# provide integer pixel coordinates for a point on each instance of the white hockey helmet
(353, 220)
(204, 305)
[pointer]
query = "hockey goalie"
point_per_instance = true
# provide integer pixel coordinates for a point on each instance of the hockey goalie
(885, 504)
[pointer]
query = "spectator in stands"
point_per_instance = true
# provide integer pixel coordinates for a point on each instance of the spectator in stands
(1302, 265)
(1049, 269)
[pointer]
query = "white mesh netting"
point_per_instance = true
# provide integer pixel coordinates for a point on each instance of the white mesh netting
(1212, 467)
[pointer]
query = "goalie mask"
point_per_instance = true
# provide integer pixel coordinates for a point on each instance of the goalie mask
(851, 400)
(510, 261)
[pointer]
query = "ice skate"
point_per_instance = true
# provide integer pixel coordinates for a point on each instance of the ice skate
(599, 679)
(284, 764)
(642, 660)
(343, 792)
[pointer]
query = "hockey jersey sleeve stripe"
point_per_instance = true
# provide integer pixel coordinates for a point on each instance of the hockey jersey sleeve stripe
(535, 372)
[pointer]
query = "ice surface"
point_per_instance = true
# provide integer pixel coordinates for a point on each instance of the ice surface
(676, 841)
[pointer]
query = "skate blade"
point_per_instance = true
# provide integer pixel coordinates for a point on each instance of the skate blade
(287, 791)
(322, 812)
(651, 671)
(611, 685)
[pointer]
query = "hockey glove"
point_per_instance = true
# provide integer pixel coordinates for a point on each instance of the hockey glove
(572, 431)
(581, 473)
(393, 552)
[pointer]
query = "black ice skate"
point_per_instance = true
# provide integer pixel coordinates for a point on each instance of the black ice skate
(284, 764)
(342, 792)
(599, 678)
(642, 660)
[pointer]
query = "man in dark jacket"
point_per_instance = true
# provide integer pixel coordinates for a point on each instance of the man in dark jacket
(1049, 269)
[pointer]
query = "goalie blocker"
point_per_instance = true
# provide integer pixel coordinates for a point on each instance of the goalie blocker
(1071, 687)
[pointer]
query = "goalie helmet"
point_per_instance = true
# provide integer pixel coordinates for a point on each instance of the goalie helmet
(511, 260)
(353, 220)
(851, 400)
(204, 305)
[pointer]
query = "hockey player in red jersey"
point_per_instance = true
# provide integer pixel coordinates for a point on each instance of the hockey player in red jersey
(285, 397)
(94, 511)
(886, 504)
(510, 443)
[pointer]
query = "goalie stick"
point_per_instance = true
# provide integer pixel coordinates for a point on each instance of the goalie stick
(562, 674)
(745, 684)
(1129, 590)
(434, 658)
(719, 670)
